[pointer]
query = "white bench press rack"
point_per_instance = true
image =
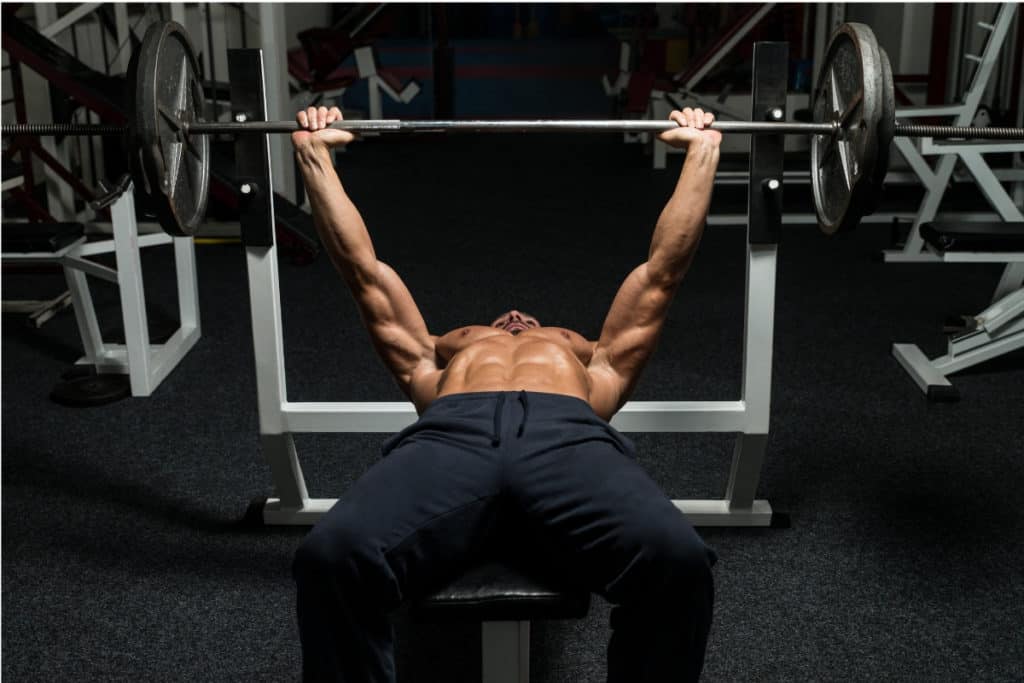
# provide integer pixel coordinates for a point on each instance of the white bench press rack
(279, 418)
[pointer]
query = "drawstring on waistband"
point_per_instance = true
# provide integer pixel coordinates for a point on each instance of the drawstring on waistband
(496, 439)
(524, 401)
(526, 411)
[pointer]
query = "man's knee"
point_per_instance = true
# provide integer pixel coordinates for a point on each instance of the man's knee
(340, 554)
(673, 561)
(342, 564)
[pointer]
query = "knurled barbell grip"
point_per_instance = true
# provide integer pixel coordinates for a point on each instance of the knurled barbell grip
(233, 127)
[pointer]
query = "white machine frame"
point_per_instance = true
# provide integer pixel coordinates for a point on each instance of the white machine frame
(937, 180)
(146, 364)
(999, 329)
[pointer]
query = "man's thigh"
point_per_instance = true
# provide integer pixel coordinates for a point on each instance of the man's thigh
(593, 514)
(419, 515)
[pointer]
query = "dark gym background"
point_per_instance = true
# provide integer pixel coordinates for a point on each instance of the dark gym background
(127, 554)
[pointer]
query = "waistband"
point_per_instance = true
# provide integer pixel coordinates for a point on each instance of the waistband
(487, 414)
(537, 397)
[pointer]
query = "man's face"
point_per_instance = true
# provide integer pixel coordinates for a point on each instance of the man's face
(515, 322)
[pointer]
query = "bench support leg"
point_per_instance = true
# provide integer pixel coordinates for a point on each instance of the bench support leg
(506, 652)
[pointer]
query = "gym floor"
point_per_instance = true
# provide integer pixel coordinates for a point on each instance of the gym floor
(127, 555)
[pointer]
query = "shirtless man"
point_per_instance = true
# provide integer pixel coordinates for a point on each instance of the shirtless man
(512, 451)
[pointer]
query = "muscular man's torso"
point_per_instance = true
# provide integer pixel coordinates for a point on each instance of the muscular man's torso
(476, 358)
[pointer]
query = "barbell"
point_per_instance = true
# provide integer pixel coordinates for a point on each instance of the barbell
(853, 110)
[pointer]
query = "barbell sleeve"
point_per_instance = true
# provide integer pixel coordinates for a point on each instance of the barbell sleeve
(914, 130)
(59, 129)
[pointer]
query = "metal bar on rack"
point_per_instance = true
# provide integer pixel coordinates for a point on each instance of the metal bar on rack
(519, 126)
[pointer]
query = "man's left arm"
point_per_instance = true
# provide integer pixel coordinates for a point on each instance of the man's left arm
(637, 315)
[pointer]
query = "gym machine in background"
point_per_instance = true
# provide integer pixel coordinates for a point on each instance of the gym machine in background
(999, 328)
(137, 366)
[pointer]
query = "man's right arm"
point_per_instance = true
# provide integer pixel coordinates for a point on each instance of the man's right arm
(637, 315)
(388, 310)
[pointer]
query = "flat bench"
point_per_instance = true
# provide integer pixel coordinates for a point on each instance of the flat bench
(44, 238)
(505, 601)
(984, 237)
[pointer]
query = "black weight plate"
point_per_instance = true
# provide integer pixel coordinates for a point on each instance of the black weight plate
(886, 129)
(92, 390)
(175, 166)
(135, 161)
(849, 90)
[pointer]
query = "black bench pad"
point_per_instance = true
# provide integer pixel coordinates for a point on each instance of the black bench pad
(39, 237)
(999, 236)
(493, 591)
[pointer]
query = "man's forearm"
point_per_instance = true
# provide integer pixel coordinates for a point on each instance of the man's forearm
(681, 223)
(336, 218)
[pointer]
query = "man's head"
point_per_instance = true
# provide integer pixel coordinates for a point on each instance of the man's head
(515, 322)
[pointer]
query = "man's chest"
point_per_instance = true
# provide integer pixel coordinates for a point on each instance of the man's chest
(479, 338)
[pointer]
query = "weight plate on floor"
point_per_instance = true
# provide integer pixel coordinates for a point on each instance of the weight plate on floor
(850, 91)
(175, 166)
(92, 390)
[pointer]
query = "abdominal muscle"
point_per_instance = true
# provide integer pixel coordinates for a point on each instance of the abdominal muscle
(542, 360)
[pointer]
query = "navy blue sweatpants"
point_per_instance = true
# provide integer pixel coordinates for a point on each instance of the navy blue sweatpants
(533, 478)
